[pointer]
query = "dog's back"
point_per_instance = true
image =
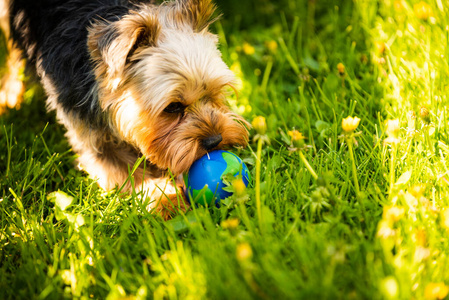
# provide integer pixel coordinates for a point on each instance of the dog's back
(58, 25)
(53, 36)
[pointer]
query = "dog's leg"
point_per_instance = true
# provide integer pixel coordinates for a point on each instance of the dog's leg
(110, 163)
(166, 196)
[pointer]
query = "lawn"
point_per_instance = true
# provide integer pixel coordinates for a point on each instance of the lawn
(337, 209)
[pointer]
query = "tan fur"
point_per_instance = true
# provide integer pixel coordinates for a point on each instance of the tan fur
(143, 62)
(163, 54)
(11, 85)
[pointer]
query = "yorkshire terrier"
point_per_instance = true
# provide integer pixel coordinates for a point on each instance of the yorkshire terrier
(131, 80)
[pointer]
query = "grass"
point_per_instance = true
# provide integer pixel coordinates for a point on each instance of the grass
(63, 237)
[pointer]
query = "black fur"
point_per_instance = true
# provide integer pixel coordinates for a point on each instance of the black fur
(54, 33)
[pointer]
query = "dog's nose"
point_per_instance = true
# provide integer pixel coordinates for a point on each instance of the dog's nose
(212, 141)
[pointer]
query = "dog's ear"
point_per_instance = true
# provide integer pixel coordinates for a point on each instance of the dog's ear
(197, 12)
(111, 44)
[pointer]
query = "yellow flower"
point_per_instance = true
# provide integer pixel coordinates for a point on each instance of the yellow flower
(417, 190)
(248, 49)
(380, 47)
(436, 290)
(424, 114)
(230, 223)
(398, 6)
(422, 10)
(259, 124)
(296, 135)
(297, 138)
(239, 187)
(272, 45)
(341, 68)
(393, 213)
(350, 124)
(419, 237)
(244, 252)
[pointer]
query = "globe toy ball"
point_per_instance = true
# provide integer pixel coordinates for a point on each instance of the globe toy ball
(204, 180)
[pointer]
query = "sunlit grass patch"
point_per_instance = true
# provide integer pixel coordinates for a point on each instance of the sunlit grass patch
(348, 153)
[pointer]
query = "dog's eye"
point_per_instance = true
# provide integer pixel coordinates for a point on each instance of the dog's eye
(174, 108)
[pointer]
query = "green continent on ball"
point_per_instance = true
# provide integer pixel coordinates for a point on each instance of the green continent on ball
(204, 181)
(202, 196)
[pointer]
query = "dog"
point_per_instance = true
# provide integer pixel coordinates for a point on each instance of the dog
(131, 80)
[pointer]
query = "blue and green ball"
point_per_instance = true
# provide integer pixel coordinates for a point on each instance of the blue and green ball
(204, 180)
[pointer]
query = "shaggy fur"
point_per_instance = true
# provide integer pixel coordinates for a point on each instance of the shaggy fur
(132, 79)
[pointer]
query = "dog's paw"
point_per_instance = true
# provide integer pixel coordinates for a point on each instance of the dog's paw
(171, 205)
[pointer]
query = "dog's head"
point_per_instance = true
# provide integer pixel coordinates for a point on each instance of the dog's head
(162, 83)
